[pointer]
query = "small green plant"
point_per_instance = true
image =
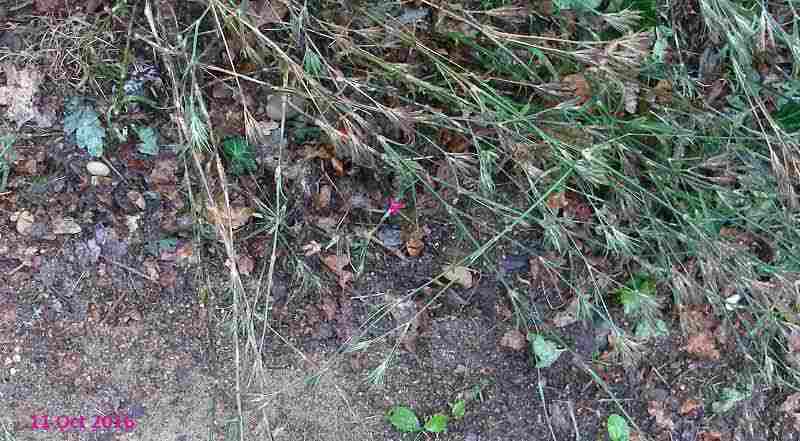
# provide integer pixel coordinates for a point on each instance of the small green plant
(618, 429)
(240, 155)
(638, 299)
(7, 157)
(728, 399)
(458, 409)
(82, 121)
(405, 420)
(546, 351)
(149, 140)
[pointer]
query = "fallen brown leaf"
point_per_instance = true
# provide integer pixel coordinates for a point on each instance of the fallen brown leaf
(18, 94)
(25, 222)
(703, 346)
(657, 410)
(690, 406)
(312, 248)
(328, 308)
(337, 264)
(245, 264)
(459, 274)
(323, 199)
(65, 226)
(577, 85)
(791, 407)
(514, 340)
(236, 216)
(557, 201)
(414, 247)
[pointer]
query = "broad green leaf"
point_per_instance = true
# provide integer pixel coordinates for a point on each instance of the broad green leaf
(404, 419)
(618, 429)
(149, 138)
(728, 399)
(578, 5)
(81, 120)
(437, 423)
(546, 351)
(647, 329)
(458, 409)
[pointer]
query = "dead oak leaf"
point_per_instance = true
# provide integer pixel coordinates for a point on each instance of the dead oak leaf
(337, 264)
(702, 345)
(514, 340)
(657, 410)
(791, 407)
(18, 94)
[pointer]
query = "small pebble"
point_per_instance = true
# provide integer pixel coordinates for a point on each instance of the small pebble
(97, 168)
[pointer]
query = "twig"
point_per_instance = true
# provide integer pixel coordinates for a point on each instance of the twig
(134, 271)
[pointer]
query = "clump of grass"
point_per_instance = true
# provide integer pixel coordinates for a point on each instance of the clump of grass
(658, 176)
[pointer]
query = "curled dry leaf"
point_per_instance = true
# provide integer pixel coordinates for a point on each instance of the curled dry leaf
(791, 407)
(578, 86)
(453, 141)
(459, 274)
(236, 216)
(65, 226)
(25, 222)
(703, 346)
(557, 200)
(514, 340)
(657, 410)
(414, 247)
(414, 243)
(18, 94)
(245, 264)
(312, 248)
(323, 199)
(337, 264)
(690, 406)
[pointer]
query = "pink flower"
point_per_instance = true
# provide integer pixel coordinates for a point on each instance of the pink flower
(395, 206)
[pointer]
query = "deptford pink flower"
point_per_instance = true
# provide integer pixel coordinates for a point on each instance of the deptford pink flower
(395, 206)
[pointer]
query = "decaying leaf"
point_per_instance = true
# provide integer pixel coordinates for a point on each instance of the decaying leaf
(18, 94)
(577, 85)
(702, 345)
(25, 222)
(630, 96)
(690, 407)
(414, 243)
(311, 248)
(459, 274)
(267, 11)
(791, 407)
(405, 312)
(414, 247)
(65, 226)
(337, 264)
(245, 264)
(657, 410)
(514, 340)
(236, 217)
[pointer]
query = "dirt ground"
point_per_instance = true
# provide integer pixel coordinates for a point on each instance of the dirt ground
(111, 305)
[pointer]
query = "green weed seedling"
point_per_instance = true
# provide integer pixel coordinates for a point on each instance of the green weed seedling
(240, 155)
(546, 351)
(7, 157)
(405, 420)
(82, 121)
(618, 429)
(639, 299)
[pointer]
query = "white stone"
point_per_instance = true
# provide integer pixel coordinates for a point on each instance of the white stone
(97, 168)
